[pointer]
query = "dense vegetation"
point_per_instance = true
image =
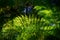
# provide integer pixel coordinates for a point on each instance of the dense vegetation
(43, 23)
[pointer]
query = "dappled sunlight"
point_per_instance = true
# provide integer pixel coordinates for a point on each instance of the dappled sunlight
(27, 25)
(29, 20)
(23, 24)
(46, 12)
(43, 11)
(48, 28)
(39, 7)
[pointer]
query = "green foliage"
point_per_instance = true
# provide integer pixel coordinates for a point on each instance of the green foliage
(25, 27)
